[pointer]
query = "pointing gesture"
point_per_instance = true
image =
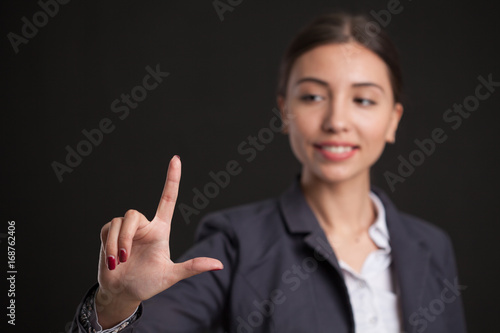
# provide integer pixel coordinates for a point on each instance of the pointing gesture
(166, 206)
(135, 262)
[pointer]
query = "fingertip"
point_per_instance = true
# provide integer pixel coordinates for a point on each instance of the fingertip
(219, 266)
(122, 255)
(176, 160)
(111, 261)
(175, 163)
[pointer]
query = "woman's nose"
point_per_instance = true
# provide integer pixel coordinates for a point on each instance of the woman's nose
(336, 117)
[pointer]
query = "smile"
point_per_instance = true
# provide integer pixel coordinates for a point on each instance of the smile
(336, 151)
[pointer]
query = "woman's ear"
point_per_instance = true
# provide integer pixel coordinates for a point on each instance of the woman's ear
(283, 112)
(396, 115)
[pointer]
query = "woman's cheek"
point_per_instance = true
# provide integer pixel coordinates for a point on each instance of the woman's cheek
(296, 144)
(377, 144)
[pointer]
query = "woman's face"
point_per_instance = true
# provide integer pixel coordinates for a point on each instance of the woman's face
(339, 111)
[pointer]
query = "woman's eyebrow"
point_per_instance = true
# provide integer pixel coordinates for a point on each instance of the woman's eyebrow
(324, 83)
(368, 84)
(312, 79)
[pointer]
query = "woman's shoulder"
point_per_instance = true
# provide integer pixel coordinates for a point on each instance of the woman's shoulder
(244, 219)
(424, 229)
(408, 226)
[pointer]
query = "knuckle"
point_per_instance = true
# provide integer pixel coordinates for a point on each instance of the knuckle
(125, 237)
(110, 250)
(105, 228)
(170, 197)
(132, 214)
(173, 180)
(115, 221)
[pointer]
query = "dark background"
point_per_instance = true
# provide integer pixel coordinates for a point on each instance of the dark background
(220, 90)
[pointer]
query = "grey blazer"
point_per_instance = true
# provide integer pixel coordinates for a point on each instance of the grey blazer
(281, 275)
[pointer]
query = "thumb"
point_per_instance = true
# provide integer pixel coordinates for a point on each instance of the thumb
(195, 266)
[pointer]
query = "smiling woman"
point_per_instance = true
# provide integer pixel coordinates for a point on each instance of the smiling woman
(332, 253)
(338, 135)
(343, 112)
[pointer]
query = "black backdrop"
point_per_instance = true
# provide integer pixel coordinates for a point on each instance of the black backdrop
(219, 91)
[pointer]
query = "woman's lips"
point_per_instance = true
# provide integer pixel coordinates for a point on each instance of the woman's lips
(337, 151)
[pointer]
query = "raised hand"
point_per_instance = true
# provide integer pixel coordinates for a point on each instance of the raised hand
(135, 263)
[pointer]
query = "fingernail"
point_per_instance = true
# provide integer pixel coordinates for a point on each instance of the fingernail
(178, 157)
(218, 268)
(111, 263)
(123, 255)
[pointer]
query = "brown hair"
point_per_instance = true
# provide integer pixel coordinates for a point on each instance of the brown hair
(343, 28)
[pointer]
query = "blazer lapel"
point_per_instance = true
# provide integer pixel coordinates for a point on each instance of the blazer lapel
(300, 219)
(410, 258)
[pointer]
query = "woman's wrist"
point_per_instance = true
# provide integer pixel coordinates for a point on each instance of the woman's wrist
(111, 309)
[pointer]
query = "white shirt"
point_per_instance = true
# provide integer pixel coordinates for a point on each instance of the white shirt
(373, 295)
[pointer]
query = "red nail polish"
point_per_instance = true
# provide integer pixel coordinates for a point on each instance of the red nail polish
(123, 255)
(111, 263)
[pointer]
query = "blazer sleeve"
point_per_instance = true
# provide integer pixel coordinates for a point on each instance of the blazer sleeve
(195, 304)
(456, 317)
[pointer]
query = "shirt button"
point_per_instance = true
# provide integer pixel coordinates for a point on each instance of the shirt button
(373, 320)
(361, 284)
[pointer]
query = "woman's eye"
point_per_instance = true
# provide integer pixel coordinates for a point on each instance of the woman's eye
(311, 98)
(364, 101)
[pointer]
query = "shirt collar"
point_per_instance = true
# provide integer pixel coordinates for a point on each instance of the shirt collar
(378, 230)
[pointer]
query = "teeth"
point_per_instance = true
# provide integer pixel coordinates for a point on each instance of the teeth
(337, 149)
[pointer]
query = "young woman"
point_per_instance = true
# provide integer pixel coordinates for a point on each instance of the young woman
(331, 254)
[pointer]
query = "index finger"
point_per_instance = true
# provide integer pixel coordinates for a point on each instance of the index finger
(168, 198)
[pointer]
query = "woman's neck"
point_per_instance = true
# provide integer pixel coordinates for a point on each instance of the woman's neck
(342, 208)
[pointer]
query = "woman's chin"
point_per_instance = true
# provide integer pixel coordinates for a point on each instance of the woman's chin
(338, 175)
